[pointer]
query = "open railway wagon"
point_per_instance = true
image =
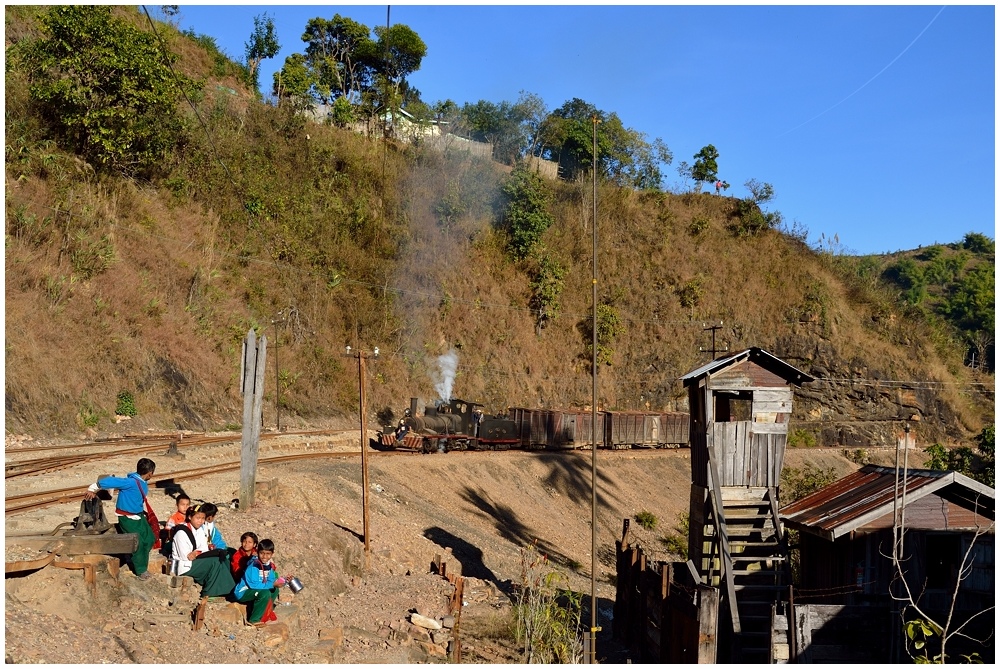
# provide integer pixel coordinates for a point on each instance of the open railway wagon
(457, 425)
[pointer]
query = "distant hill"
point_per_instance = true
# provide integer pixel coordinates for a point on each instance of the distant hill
(143, 282)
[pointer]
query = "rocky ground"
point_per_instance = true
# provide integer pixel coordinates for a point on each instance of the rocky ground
(475, 511)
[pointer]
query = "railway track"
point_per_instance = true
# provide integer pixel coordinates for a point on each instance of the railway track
(39, 500)
(56, 462)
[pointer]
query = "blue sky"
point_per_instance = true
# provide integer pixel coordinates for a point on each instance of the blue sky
(873, 123)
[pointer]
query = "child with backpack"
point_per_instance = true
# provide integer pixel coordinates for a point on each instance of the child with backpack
(259, 585)
(215, 539)
(191, 556)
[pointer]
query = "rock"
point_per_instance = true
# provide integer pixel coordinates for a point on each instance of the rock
(398, 625)
(231, 613)
(333, 634)
(419, 633)
(424, 621)
(432, 649)
(441, 637)
(448, 622)
(140, 626)
(274, 634)
(289, 615)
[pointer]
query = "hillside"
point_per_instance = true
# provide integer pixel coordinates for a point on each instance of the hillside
(145, 281)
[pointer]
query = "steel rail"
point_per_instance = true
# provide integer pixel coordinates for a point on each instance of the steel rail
(165, 439)
(38, 500)
(54, 463)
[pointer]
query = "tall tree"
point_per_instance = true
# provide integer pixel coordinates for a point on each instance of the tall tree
(294, 80)
(263, 44)
(706, 167)
(336, 51)
(625, 156)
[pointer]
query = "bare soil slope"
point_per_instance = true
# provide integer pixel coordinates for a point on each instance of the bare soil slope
(476, 510)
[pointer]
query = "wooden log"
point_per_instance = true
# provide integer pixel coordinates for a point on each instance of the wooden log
(97, 544)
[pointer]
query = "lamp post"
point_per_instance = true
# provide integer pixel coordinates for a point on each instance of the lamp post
(592, 657)
(363, 356)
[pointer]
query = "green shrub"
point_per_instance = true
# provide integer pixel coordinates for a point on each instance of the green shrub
(801, 437)
(797, 483)
(548, 613)
(646, 520)
(126, 404)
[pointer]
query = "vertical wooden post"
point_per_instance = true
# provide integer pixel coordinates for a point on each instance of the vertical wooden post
(252, 387)
(708, 625)
(364, 457)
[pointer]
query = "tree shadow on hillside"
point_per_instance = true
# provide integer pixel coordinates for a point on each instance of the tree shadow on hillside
(571, 476)
(513, 529)
(469, 555)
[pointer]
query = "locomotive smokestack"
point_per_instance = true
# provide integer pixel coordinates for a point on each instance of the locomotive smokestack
(413, 406)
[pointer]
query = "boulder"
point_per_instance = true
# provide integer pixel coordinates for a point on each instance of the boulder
(274, 634)
(424, 621)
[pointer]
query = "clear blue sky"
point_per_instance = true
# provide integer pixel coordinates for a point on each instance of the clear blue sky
(876, 124)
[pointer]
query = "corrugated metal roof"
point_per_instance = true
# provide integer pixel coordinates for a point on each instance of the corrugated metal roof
(758, 355)
(859, 498)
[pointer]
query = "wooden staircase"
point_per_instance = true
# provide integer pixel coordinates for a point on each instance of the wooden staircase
(750, 565)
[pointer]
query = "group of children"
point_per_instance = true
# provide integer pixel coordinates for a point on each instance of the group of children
(197, 549)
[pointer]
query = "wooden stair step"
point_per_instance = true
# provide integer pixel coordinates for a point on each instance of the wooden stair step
(738, 557)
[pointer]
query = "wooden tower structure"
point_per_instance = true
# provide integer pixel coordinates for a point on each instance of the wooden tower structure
(740, 408)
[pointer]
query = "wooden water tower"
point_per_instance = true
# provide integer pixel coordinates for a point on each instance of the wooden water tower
(740, 407)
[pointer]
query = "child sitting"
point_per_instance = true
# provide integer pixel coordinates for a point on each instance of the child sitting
(239, 559)
(259, 585)
(183, 502)
(215, 539)
(190, 542)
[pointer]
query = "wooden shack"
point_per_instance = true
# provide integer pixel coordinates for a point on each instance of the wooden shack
(740, 410)
(846, 537)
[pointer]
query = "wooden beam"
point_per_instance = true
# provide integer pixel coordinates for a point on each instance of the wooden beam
(97, 544)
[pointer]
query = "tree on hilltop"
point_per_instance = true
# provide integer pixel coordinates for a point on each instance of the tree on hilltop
(263, 44)
(625, 156)
(705, 168)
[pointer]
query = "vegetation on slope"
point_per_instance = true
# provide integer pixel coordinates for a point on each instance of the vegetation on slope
(145, 282)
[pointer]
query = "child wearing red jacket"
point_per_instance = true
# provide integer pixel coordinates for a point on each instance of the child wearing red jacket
(238, 561)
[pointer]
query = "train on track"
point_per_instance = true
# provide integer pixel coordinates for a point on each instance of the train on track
(462, 425)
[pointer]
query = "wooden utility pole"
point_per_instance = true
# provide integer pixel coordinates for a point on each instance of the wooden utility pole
(714, 351)
(362, 356)
(252, 387)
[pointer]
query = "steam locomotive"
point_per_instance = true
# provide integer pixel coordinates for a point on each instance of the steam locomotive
(462, 425)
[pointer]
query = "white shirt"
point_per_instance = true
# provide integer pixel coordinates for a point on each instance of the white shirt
(182, 548)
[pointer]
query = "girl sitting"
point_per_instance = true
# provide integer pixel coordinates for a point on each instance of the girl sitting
(238, 561)
(190, 542)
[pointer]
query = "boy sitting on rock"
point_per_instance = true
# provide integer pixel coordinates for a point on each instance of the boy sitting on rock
(259, 585)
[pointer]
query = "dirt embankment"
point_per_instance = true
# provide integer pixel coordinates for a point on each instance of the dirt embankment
(476, 510)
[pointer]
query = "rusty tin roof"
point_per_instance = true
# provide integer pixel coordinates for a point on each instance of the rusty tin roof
(757, 355)
(867, 494)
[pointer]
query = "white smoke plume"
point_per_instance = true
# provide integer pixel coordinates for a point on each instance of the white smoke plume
(444, 378)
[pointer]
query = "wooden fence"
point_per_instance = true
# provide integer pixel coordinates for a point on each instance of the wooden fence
(661, 611)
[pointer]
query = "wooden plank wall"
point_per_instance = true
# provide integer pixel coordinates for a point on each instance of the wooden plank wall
(660, 612)
(826, 633)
